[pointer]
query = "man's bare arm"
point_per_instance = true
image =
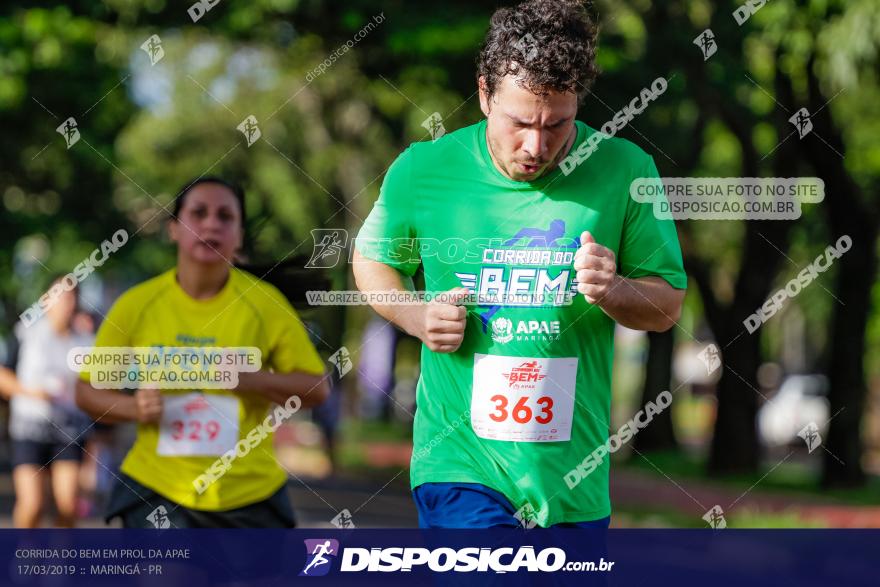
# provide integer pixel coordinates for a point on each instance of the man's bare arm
(645, 303)
(439, 325)
(371, 275)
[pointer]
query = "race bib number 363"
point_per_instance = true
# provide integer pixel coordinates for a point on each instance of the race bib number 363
(198, 424)
(523, 399)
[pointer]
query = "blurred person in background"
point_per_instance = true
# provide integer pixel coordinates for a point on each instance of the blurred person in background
(376, 369)
(106, 445)
(45, 425)
(328, 415)
(204, 301)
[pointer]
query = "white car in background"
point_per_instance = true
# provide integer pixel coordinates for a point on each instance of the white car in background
(800, 401)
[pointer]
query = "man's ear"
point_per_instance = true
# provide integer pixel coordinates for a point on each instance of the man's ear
(484, 97)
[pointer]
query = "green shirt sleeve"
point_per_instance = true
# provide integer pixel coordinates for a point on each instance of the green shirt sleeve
(649, 245)
(388, 234)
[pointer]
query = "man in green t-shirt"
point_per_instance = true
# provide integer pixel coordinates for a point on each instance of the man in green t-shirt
(538, 260)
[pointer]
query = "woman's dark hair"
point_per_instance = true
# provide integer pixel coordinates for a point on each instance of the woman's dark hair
(236, 190)
(550, 44)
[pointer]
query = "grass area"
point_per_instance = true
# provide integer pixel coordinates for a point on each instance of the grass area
(353, 463)
(357, 439)
(754, 519)
(787, 478)
(356, 431)
(352, 452)
(629, 517)
(636, 517)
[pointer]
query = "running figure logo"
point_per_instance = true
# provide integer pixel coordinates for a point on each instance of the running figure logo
(715, 518)
(801, 121)
(343, 520)
(553, 236)
(810, 434)
(525, 374)
(250, 129)
(153, 48)
(159, 518)
(527, 516)
(711, 358)
(69, 131)
(342, 360)
(317, 551)
(706, 43)
(434, 126)
(544, 238)
(329, 244)
(527, 46)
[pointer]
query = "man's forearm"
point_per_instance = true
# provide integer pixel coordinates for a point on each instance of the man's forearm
(439, 324)
(646, 303)
(407, 317)
(374, 276)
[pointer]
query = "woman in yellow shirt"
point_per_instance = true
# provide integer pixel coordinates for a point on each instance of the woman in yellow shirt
(205, 457)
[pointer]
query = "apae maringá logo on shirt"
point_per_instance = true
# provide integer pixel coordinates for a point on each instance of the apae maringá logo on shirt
(503, 330)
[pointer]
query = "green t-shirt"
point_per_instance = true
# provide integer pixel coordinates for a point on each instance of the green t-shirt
(527, 395)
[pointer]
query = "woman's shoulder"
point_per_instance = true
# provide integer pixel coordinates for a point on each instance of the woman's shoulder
(139, 296)
(259, 292)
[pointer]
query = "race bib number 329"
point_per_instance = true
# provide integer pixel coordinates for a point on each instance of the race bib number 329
(198, 424)
(523, 399)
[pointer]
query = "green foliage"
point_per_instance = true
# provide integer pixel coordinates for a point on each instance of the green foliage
(325, 146)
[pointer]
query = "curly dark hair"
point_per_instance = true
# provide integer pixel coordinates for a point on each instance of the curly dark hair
(549, 44)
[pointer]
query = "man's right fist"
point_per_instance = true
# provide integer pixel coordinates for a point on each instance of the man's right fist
(149, 405)
(444, 321)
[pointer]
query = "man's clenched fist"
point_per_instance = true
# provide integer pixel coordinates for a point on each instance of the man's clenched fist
(444, 321)
(596, 269)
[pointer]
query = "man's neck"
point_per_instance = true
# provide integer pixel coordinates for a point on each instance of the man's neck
(564, 151)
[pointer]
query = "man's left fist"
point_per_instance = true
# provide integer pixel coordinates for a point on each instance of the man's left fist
(596, 269)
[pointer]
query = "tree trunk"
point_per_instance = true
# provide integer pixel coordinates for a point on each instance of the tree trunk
(848, 214)
(735, 447)
(855, 277)
(659, 434)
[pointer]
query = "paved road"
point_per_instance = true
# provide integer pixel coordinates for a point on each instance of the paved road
(317, 502)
